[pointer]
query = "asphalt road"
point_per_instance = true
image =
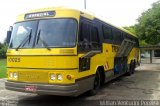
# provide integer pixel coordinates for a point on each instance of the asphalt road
(143, 85)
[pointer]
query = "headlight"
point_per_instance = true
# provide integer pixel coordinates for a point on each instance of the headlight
(52, 76)
(11, 75)
(15, 75)
(59, 76)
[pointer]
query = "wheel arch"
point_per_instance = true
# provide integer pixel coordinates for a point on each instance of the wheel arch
(102, 73)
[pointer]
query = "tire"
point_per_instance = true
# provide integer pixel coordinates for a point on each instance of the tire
(129, 73)
(96, 84)
(133, 67)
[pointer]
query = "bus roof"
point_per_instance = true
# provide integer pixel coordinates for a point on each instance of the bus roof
(104, 20)
(84, 13)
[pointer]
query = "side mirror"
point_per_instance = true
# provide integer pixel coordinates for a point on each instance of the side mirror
(9, 32)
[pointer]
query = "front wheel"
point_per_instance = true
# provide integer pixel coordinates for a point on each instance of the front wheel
(96, 84)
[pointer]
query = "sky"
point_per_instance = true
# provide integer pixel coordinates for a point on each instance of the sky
(118, 12)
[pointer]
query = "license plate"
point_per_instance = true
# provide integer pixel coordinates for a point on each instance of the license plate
(31, 88)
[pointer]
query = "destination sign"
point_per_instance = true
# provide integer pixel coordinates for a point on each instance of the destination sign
(40, 14)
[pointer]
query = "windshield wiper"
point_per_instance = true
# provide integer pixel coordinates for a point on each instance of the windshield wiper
(44, 43)
(27, 38)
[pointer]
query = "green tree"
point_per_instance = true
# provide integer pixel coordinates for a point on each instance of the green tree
(3, 49)
(133, 30)
(148, 27)
(1, 45)
(130, 29)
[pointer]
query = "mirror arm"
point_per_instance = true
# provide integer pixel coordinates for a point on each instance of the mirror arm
(9, 32)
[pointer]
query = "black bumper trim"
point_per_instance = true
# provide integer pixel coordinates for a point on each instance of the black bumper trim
(51, 89)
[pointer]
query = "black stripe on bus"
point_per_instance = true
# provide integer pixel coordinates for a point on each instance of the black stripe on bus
(45, 68)
(42, 55)
(85, 77)
(91, 75)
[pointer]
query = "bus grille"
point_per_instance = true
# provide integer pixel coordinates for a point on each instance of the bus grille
(28, 76)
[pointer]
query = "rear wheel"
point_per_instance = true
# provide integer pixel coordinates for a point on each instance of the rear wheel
(133, 67)
(96, 84)
(130, 69)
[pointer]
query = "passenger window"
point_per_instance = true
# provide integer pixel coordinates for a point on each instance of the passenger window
(121, 37)
(94, 38)
(107, 33)
(137, 42)
(125, 36)
(84, 33)
(117, 36)
(88, 36)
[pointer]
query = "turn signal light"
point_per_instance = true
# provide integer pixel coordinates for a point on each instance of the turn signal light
(69, 77)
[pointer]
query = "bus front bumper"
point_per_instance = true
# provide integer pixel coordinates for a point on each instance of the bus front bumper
(51, 89)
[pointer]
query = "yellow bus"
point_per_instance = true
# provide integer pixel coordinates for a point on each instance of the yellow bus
(63, 51)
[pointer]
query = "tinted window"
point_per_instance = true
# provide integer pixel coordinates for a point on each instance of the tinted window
(57, 33)
(107, 33)
(23, 33)
(121, 37)
(126, 36)
(94, 37)
(117, 36)
(54, 32)
(137, 42)
(89, 34)
(85, 30)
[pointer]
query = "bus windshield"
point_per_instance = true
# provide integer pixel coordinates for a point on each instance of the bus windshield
(44, 33)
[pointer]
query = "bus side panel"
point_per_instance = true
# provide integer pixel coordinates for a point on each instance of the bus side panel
(134, 55)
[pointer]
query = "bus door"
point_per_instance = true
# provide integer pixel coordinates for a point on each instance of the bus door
(120, 61)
